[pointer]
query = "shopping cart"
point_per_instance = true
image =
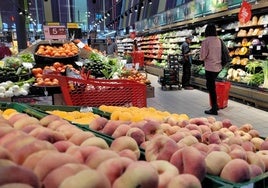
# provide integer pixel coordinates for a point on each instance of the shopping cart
(95, 92)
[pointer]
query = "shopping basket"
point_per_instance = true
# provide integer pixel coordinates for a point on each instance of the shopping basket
(95, 92)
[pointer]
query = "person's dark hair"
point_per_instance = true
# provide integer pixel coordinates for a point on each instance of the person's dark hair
(210, 30)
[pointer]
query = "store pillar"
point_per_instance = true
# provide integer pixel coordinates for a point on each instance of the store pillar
(21, 27)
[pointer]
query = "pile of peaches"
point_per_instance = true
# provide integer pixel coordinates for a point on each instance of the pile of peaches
(51, 152)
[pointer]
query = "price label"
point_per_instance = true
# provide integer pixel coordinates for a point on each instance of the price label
(258, 47)
(251, 47)
(54, 32)
(251, 57)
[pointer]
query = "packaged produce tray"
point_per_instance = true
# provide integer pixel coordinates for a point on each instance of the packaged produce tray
(95, 92)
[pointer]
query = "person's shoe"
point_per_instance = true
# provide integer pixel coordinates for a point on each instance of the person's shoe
(188, 88)
(211, 112)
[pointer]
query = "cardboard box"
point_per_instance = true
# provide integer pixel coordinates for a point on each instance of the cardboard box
(150, 92)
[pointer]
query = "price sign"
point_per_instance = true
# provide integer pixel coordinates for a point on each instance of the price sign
(244, 14)
(55, 32)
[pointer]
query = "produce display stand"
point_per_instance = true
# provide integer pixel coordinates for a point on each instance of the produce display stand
(95, 92)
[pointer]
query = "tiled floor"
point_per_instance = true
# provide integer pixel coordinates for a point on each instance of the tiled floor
(194, 102)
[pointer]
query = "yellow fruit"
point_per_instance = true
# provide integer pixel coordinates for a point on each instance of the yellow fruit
(125, 116)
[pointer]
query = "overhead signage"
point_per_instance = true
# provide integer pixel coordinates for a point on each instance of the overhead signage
(54, 32)
(53, 23)
(244, 13)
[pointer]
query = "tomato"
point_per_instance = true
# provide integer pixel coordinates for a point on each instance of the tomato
(36, 71)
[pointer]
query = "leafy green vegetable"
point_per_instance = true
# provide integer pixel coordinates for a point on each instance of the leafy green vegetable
(265, 73)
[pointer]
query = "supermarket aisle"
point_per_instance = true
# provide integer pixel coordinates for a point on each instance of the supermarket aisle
(194, 102)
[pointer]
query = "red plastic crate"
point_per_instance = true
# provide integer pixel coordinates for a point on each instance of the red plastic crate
(95, 92)
(222, 90)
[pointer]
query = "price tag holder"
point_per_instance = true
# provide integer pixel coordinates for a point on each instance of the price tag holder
(258, 47)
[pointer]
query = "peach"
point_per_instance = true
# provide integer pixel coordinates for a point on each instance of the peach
(31, 161)
(56, 176)
(255, 170)
(235, 140)
(255, 159)
(57, 123)
(49, 135)
(166, 171)
(4, 130)
(51, 161)
(184, 181)
(214, 147)
(199, 121)
(18, 142)
(10, 135)
(233, 128)
(138, 174)
(257, 141)
(110, 127)
(254, 133)
(150, 128)
(214, 138)
(217, 125)
(190, 160)
(160, 148)
(246, 127)
(86, 178)
(226, 123)
(204, 128)
(125, 142)
(215, 161)
(263, 154)
(248, 146)
(18, 174)
(238, 154)
(45, 121)
(264, 145)
(189, 140)
(121, 130)
(244, 135)
(22, 122)
(22, 153)
(114, 167)
(236, 170)
(99, 156)
(63, 145)
(177, 136)
(201, 147)
(79, 137)
(128, 154)
(172, 121)
(95, 141)
(5, 154)
(98, 123)
(28, 128)
(15, 117)
(167, 128)
(68, 130)
(197, 134)
(193, 127)
(137, 134)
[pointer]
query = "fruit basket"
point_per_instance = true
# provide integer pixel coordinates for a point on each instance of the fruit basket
(95, 92)
(48, 53)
